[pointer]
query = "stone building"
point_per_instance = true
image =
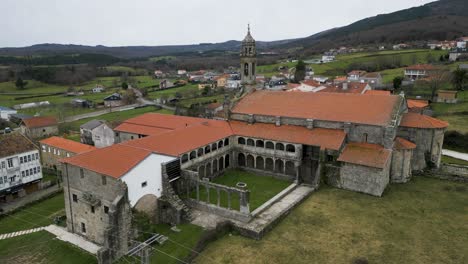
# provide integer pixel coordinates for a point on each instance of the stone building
(39, 127)
(54, 149)
(96, 133)
(20, 167)
(248, 59)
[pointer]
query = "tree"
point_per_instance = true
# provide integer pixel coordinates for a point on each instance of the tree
(435, 80)
(300, 73)
(20, 84)
(397, 81)
(124, 85)
(459, 79)
(129, 97)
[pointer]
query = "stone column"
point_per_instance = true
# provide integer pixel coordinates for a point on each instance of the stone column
(244, 202)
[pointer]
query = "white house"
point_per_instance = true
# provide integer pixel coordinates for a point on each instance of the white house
(328, 58)
(98, 89)
(181, 72)
(20, 167)
(5, 112)
(97, 133)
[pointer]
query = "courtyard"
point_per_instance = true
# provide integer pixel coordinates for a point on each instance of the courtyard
(262, 188)
(423, 221)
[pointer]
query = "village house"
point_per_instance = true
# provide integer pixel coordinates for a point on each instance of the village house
(39, 127)
(221, 81)
(417, 106)
(113, 100)
(98, 89)
(54, 149)
(96, 133)
(159, 74)
(20, 167)
(419, 71)
(5, 112)
(181, 72)
(447, 96)
(212, 109)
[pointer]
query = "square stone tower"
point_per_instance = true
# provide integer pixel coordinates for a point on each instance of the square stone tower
(248, 59)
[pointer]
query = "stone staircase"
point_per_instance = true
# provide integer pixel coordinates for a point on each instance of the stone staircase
(178, 204)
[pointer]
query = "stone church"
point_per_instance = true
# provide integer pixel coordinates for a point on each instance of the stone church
(358, 142)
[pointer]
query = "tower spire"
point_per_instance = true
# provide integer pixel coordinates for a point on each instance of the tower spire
(248, 28)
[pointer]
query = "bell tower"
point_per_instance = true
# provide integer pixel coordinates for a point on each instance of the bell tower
(248, 59)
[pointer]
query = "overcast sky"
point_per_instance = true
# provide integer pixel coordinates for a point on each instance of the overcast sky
(169, 22)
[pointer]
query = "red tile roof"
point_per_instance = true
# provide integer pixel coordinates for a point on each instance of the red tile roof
(185, 140)
(114, 161)
(66, 144)
(417, 103)
(325, 138)
(357, 72)
(421, 67)
(140, 129)
(353, 87)
(354, 108)
(44, 121)
(312, 83)
(416, 120)
(378, 92)
(401, 143)
(370, 155)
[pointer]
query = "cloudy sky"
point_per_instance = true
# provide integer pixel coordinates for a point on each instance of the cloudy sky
(168, 22)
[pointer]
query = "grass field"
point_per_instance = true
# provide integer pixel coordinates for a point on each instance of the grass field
(450, 160)
(455, 114)
(423, 221)
(35, 215)
(189, 88)
(262, 188)
(202, 100)
(42, 247)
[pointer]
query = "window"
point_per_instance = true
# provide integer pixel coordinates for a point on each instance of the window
(106, 209)
(44, 149)
(103, 180)
(81, 173)
(58, 152)
(38, 169)
(49, 149)
(144, 184)
(35, 170)
(33, 157)
(10, 163)
(241, 141)
(92, 209)
(30, 171)
(83, 228)
(23, 174)
(55, 152)
(37, 156)
(4, 179)
(21, 160)
(75, 198)
(131, 137)
(1, 180)
(68, 155)
(27, 173)
(364, 138)
(3, 164)
(29, 158)
(330, 158)
(116, 134)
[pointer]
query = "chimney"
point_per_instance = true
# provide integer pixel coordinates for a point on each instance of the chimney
(345, 86)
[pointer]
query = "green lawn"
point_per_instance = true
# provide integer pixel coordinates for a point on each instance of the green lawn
(114, 117)
(32, 216)
(423, 221)
(189, 88)
(450, 160)
(262, 188)
(201, 100)
(42, 247)
(176, 246)
(455, 114)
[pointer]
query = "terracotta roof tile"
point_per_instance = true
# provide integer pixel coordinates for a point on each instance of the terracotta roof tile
(354, 108)
(421, 67)
(417, 103)
(325, 138)
(370, 155)
(401, 143)
(140, 129)
(114, 161)
(416, 120)
(44, 121)
(66, 144)
(13, 144)
(353, 87)
(378, 92)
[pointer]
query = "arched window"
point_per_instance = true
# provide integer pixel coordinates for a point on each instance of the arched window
(270, 145)
(221, 163)
(260, 143)
(193, 155)
(241, 141)
(200, 152)
(260, 164)
(220, 144)
(240, 160)
(269, 164)
(246, 69)
(227, 161)
(290, 169)
(290, 148)
(250, 161)
(279, 146)
(250, 142)
(226, 142)
(279, 166)
(184, 158)
(214, 146)
(207, 149)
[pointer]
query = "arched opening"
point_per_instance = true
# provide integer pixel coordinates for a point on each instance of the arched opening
(214, 146)
(279, 166)
(221, 163)
(269, 164)
(207, 149)
(241, 141)
(250, 142)
(200, 152)
(250, 161)
(226, 142)
(279, 146)
(184, 158)
(193, 155)
(269, 145)
(208, 169)
(227, 161)
(260, 144)
(260, 163)
(240, 160)
(290, 169)
(290, 148)
(215, 166)
(220, 144)
(201, 171)
(246, 68)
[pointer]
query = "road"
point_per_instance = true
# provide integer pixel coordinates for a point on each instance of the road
(454, 154)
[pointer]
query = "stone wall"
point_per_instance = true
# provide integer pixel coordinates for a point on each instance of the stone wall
(97, 208)
(401, 166)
